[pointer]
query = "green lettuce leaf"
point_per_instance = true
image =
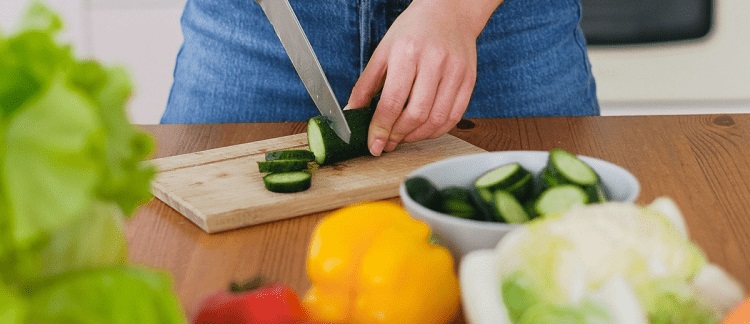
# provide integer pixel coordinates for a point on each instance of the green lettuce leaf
(70, 248)
(65, 140)
(114, 295)
(13, 309)
(50, 170)
(71, 168)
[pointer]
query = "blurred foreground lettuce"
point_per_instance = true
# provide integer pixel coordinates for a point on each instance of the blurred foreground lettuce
(71, 167)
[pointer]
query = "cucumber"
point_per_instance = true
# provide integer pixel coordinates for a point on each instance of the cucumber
(287, 182)
(501, 177)
(511, 177)
(290, 154)
(328, 148)
(485, 194)
(423, 192)
(559, 199)
(456, 201)
(508, 208)
(596, 193)
(564, 167)
(485, 211)
(511, 194)
(523, 188)
(282, 165)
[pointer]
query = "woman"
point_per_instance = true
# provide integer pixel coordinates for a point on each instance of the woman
(431, 62)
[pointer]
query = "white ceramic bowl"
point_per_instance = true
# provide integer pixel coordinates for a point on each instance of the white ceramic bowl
(460, 235)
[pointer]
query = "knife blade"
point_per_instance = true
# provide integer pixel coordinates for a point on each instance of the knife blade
(305, 62)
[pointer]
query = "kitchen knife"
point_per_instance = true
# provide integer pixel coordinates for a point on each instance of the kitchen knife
(293, 38)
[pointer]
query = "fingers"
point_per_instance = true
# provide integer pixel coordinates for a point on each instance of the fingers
(460, 104)
(420, 105)
(425, 73)
(446, 110)
(396, 89)
(435, 102)
(370, 82)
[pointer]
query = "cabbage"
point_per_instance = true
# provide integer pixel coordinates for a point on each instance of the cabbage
(71, 168)
(611, 263)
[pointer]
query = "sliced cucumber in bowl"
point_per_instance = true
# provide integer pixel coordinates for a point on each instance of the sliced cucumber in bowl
(560, 181)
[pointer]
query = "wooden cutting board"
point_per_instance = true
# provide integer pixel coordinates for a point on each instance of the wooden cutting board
(221, 189)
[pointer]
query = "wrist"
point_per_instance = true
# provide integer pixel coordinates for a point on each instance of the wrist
(473, 14)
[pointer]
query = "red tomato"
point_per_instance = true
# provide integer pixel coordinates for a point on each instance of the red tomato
(268, 304)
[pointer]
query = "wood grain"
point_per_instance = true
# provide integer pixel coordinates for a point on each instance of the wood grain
(221, 189)
(701, 161)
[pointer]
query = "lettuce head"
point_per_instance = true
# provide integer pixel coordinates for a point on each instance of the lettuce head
(71, 168)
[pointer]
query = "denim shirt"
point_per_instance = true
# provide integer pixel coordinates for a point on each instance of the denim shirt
(532, 60)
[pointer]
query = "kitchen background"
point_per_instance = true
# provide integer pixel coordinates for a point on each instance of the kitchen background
(706, 75)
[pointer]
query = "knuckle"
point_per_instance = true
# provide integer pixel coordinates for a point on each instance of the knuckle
(437, 134)
(440, 54)
(416, 116)
(390, 105)
(397, 134)
(439, 118)
(396, 138)
(416, 136)
(454, 118)
(409, 48)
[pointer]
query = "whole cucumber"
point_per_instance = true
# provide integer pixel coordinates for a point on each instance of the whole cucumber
(329, 148)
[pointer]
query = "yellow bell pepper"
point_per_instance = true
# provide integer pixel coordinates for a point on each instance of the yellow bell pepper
(373, 263)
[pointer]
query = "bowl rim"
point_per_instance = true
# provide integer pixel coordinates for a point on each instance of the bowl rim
(477, 224)
(481, 299)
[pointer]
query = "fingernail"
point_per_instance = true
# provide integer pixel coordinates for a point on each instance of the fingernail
(347, 107)
(391, 146)
(377, 147)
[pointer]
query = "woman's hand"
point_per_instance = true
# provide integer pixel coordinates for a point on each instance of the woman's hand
(426, 68)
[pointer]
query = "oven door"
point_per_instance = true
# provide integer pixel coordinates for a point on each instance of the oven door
(615, 22)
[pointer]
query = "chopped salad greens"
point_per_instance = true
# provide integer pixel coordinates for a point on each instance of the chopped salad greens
(71, 168)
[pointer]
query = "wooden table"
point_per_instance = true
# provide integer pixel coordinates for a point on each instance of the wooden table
(701, 161)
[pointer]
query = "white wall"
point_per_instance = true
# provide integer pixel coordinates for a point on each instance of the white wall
(143, 35)
(148, 48)
(711, 75)
(71, 10)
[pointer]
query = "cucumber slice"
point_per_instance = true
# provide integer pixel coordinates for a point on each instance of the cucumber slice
(564, 167)
(511, 177)
(523, 188)
(485, 209)
(282, 165)
(501, 177)
(596, 193)
(328, 148)
(286, 182)
(548, 179)
(559, 199)
(456, 201)
(290, 155)
(423, 192)
(509, 209)
(485, 194)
